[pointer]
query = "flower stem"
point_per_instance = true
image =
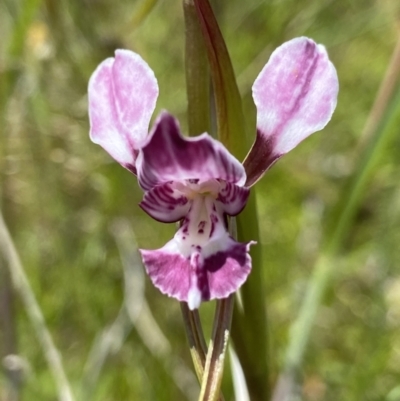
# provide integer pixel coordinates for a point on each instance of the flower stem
(214, 366)
(194, 333)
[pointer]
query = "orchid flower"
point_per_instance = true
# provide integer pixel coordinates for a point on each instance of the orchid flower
(196, 181)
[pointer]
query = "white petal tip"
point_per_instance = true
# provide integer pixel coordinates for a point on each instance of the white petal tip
(194, 298)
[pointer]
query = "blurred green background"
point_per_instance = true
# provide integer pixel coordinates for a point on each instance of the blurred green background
(73, 214)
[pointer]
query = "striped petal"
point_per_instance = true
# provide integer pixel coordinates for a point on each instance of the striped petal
(122, 97)
(168, 156)
(295, 96)
(165, 203)
(232, 198)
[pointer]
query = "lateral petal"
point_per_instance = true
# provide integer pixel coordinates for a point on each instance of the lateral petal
(295, 95)
(122, 97)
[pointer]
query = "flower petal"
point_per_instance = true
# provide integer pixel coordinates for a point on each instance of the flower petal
(164, 203)
(202, 261)
(295, 95)
(168, 156)
(168, 270)
(122, 97)
(232, 198)
(221, 273)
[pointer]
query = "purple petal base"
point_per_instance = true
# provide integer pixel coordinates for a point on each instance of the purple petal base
(225, 271)
(260, 158)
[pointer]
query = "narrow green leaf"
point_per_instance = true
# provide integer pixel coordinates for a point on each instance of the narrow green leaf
(197, 73)
(230, 122)
(35, 314)
(249, 327)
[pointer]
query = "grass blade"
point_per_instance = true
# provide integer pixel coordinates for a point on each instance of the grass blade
(34, 313)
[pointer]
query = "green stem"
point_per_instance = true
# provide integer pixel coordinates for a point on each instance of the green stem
(194, 333)
(214, 367)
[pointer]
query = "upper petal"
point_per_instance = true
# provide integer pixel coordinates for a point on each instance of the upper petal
(295, 95)
(169, 156)
(122, 97)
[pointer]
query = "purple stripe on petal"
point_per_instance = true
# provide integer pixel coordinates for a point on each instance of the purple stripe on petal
(165, 204)
(122, 96)
(168, 156)
(233, 198)
(295, 95)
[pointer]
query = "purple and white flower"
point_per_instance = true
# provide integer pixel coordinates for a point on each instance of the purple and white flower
(196, 181)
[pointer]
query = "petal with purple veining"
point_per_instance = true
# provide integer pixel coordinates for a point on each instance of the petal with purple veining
(295, 95)
(168, 156)
(232, 198)
(164, 203)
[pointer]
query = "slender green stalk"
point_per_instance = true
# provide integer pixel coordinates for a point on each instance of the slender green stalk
(385, 128)
(214, 367)
(197, 344)
(34, 313)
